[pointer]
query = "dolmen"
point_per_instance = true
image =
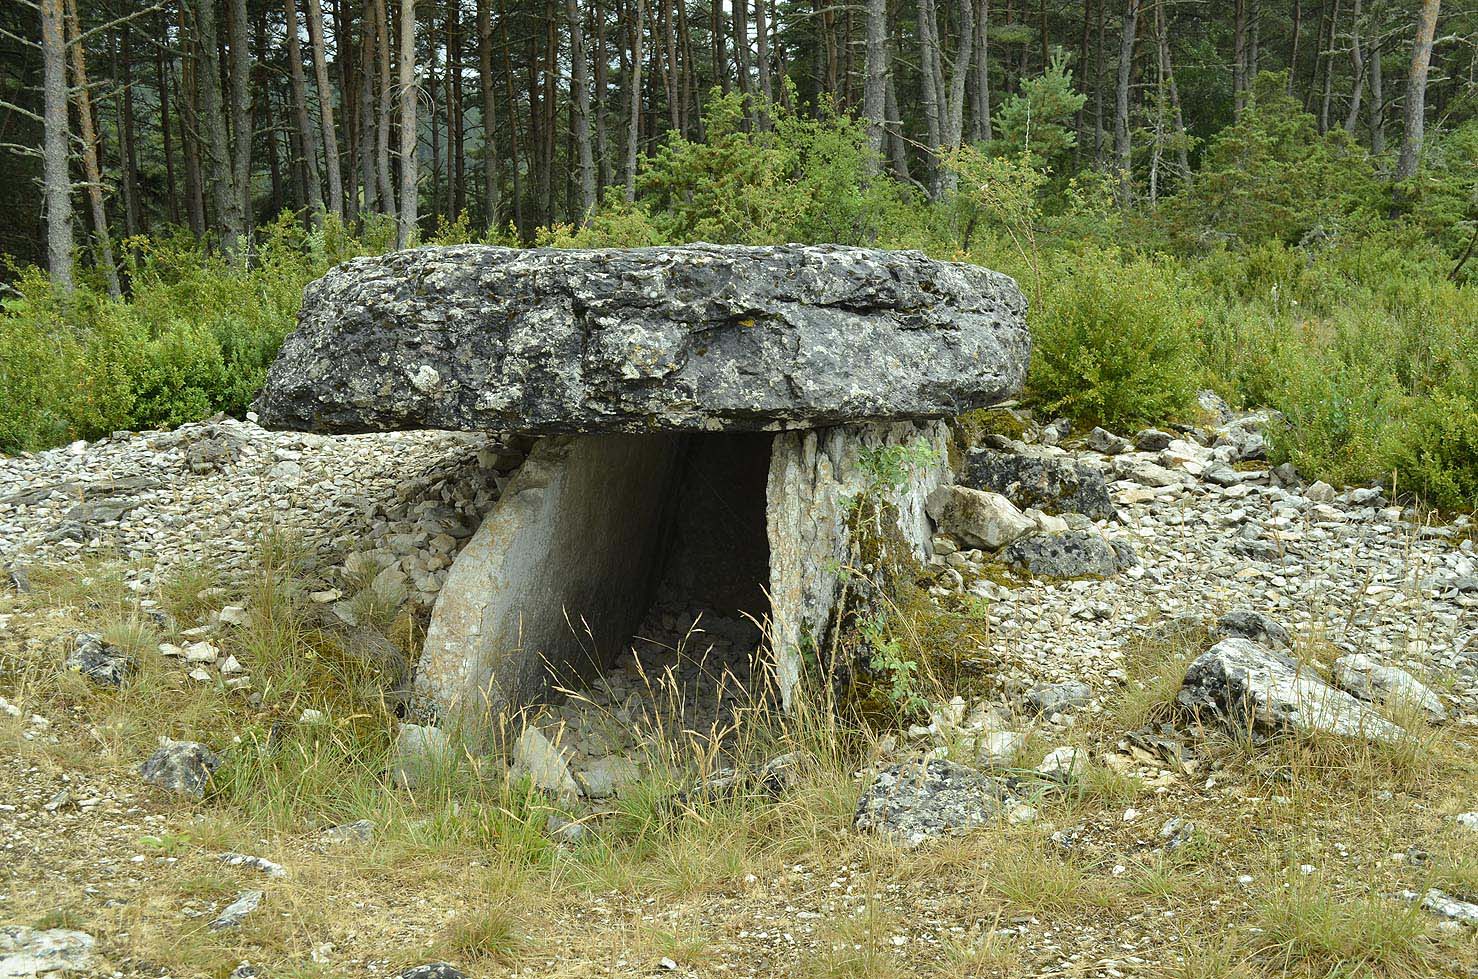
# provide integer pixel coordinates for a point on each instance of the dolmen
(706, 413)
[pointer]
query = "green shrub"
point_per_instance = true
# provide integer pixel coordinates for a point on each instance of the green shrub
(1113, 342)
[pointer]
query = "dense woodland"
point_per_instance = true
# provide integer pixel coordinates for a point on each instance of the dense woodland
(217, 116)
(1274, 198)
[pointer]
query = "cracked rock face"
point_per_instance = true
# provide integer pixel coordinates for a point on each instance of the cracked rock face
(692, 338)
(1249, 685)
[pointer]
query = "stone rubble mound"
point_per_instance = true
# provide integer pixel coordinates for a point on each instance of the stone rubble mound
(689, 338)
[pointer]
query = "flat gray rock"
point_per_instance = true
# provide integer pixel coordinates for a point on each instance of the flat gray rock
(912, 802)
(29, 953)
(691, 338)
(1250, 686)
(181, 766)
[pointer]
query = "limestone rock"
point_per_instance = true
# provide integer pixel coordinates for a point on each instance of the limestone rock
(691, 338)
(1033, 477)
(1248, 685)
(30, 953)
(1246, 624)
(998, 749)
(1046, 698)
(912, 802)
(980, 519)
(1069, 554)
(432, 970)
(235, 913)
(181, 766)
(1106, 442)
(1063, 764)
(544, 764)
(1370, 679)
(101, 662)
(813, 478)
(1451, 908)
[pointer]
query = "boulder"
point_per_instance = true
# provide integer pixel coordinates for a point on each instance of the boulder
(1370, 679)
(180, 766)
(101, 662)
(912, 802)
(1247, 685)
(691, 338)
(1035, 477)
(1069, 554)
(977, 518)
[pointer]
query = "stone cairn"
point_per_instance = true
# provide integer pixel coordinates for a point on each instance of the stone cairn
(700, 411)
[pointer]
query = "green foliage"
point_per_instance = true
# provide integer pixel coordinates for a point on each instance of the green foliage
(1113, 342)
(194, 336)
(796, 178)
(1278, 276)
(1034, 122)
(1270, 175)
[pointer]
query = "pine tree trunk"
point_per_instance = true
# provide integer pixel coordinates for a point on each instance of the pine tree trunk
(1416, 91)
(581, 109)
(1328, 53)
(875, 80)
(1122, 148)
(513, 151)
(386, 99)
(1239, 56)
(490, 202)
(162, 76)
(55, 175)
(217, 147)
(300, 113)
(1357, 71)
(368, 118)
(633, 124)
(90, 166)
(762, 41)
(241, 115)
(406, 229)
(1377, 103)
(133, 213)
(981, 101)
(331, 164)
(930, 88)
(898, 152)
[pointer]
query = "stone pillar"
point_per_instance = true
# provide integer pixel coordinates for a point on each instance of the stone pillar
(815, 474)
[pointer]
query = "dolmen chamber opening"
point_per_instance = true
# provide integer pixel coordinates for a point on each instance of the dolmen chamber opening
(702, 418)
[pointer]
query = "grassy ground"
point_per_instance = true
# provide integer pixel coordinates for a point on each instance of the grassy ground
(1292, 864)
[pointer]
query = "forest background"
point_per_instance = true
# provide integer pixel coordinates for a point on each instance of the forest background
(1275, 199)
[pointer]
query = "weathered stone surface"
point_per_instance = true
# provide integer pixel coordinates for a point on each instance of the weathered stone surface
(1253, 625)
(814, 476)
(235, 913)
(1370, 679)
(692, 338)
(101, 662)
(1069, 554)
(181, 766)
(531, 600)
(912, 802)
(1248, 685)
(30, 953)
(976, 517)
(1032, 476)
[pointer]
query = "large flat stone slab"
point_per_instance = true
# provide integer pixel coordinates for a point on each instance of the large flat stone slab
(691, 338)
